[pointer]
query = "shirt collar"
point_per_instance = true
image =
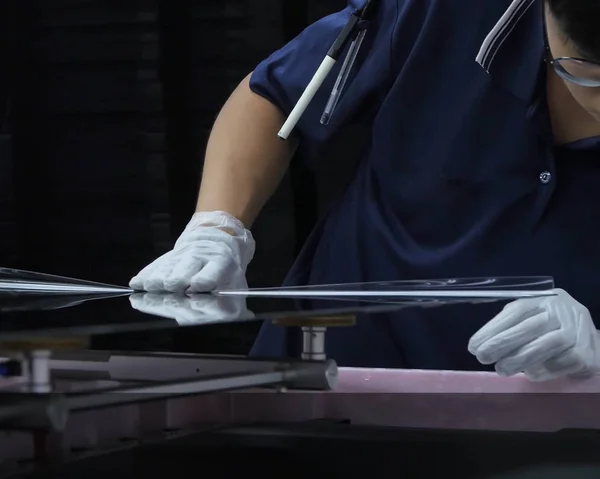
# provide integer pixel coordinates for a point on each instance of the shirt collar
(512, 53)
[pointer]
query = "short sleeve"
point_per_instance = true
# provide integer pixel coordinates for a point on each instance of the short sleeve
(283, 76)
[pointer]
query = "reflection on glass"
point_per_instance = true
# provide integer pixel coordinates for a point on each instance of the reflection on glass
(28, 282)
(64, 315)
(191, 310)
(501, 288)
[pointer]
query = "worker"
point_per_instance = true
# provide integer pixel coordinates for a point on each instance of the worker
(484, 161)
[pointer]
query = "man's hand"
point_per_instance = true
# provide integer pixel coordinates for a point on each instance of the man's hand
(546, 338)
(213, 252)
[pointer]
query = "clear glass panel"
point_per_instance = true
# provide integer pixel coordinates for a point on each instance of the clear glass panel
(454, 288)
(21, 282)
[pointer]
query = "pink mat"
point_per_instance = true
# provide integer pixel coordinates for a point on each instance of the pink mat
(355, 380)
(420, 399)
(429, 399)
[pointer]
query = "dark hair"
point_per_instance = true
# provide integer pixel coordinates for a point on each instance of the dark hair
(580, 22)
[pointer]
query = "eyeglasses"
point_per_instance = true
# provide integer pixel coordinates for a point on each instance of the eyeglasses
(576, 70)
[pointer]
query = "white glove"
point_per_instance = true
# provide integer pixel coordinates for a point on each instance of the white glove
(546, 338)
(213, 252)
(192, 310)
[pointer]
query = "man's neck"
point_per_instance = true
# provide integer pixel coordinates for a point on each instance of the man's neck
(570, 122)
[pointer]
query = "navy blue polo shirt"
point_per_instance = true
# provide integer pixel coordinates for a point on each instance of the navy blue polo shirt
(462, 177)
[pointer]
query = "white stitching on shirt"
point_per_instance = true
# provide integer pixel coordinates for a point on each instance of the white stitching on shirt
(501, 31)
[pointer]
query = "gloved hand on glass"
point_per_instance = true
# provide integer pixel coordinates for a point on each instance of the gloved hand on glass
(212, 253)
(545, 338)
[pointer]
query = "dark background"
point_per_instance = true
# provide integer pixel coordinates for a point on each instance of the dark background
(105, 110)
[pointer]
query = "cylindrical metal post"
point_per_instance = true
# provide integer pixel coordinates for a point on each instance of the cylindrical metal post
(36, 369)
(313, 343)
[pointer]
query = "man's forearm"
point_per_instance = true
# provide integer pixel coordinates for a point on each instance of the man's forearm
(245, 160)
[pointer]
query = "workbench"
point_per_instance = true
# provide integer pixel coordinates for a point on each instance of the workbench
(68, 411)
